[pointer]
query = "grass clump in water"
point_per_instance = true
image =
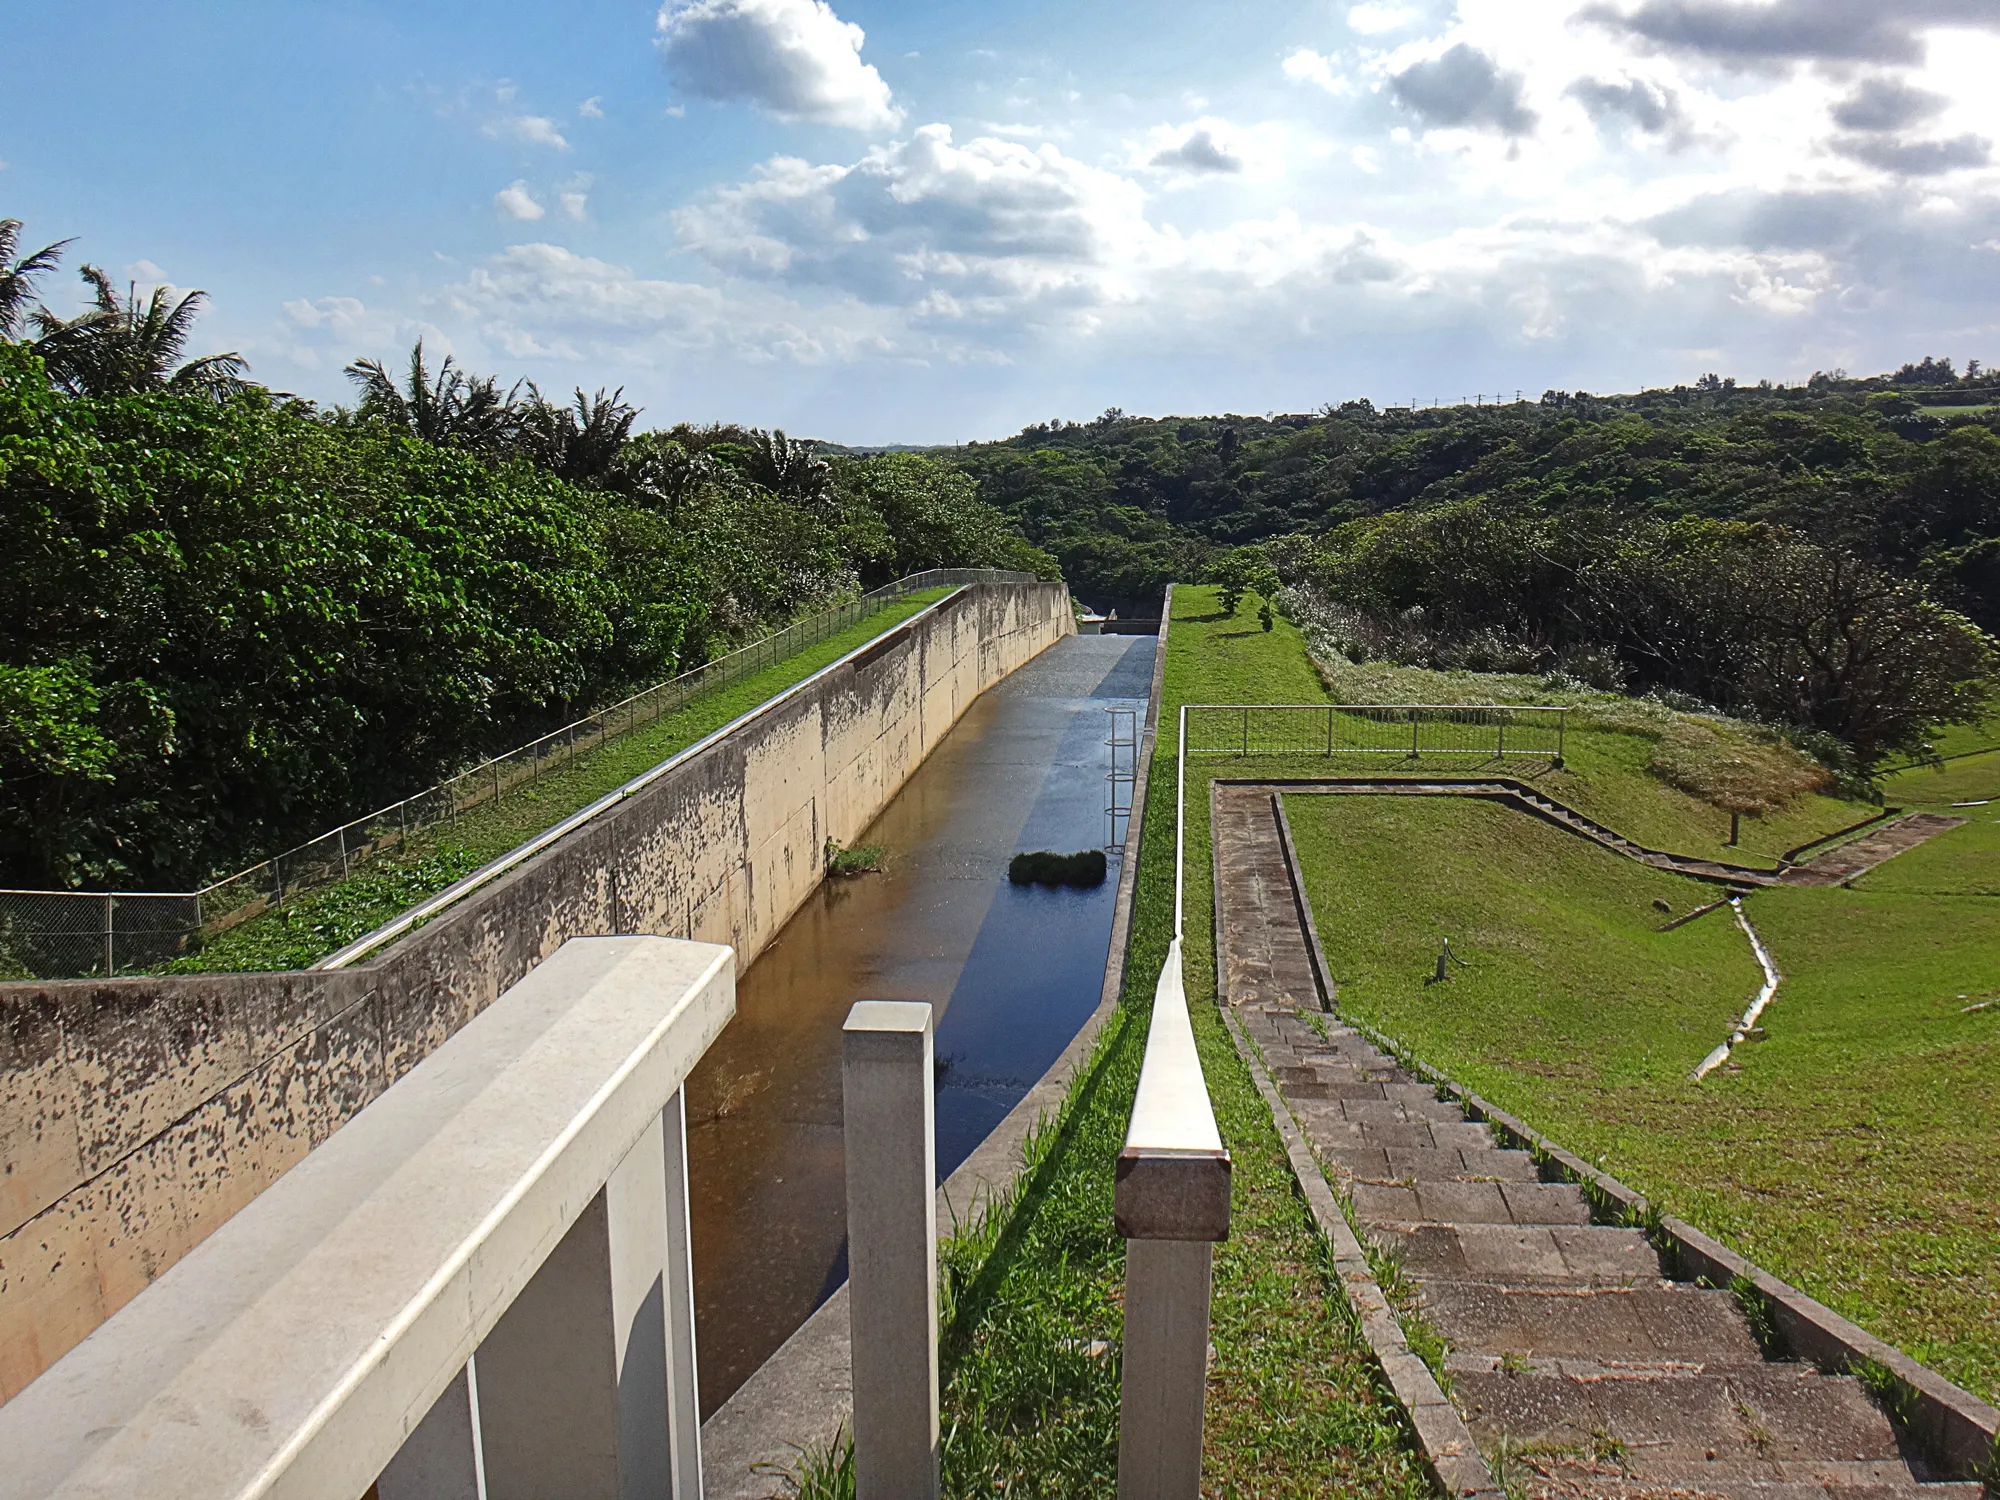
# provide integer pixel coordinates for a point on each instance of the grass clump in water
(861, 859)
(1083, 868)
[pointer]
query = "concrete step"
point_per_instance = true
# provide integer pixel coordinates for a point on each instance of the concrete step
(1768, 1421)
(1582, 1255)
(1410, 1164)
(1472, 1203)
(1332, 1130)
(1674, 1322)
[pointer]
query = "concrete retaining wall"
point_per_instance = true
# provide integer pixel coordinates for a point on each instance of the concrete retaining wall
(138, 1114)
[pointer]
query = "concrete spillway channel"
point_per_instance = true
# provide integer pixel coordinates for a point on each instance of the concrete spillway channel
(1013, 972)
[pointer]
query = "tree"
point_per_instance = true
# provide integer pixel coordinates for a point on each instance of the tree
(451, 408)
(18, 276)
(581, 442)
(1240, 571)
(122, 346)
(790, 470)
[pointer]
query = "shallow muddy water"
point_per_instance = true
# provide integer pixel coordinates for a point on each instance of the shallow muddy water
(1013, 972)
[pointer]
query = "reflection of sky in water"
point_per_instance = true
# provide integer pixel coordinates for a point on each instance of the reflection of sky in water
(1013, 972)
(1036, 969)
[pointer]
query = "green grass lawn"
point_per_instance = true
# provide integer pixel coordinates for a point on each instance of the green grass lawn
(1295, 1407)
(1851, 1152)
(312, 925)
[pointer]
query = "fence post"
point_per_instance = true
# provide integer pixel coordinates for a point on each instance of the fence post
(1329, 729)
(1170, 1203)
(110, 964)
(343, 851)
(1500, 746)
(888, 1094)
(1246, 731)
(1416, 717)
(1562, 723)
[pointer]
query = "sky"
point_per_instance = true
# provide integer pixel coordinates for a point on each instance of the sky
(873, 221)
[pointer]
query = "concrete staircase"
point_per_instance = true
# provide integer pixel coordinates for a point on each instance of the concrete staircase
(1579, 1368)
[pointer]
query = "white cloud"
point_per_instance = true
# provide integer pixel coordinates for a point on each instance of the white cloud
(1367, 158)
(1211, 148)
(592, 108)
(991, 224)
(1307, 66)
(1372, 19)
(515, 202)
(533, 130)
(575, 203)
(793, 58)
(338, 313)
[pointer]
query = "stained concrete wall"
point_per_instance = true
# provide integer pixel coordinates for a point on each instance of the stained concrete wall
(138, 1114)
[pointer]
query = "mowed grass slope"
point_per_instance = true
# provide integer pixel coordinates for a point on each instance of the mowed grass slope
(310, 926)
(1852, 1152)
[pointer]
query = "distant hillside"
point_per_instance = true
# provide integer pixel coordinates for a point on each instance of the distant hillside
(1902, 469)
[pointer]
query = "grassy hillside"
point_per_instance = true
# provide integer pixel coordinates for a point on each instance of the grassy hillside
(306, 929)
(1850, 1152)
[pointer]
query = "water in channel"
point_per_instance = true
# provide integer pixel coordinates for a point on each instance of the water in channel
(1013, 972)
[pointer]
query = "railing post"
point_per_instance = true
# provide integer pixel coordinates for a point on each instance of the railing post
(1500, 745)
(110, 958)
(888, 1094)
(1329, 729)
(1562, 723)
(1170, 1203)
(577, 1395)
(1416, 717)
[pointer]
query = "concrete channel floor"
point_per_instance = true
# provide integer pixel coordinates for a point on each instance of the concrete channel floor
(1580, 1369)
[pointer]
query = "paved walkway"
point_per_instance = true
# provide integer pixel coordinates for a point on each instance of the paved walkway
(1579, 1368)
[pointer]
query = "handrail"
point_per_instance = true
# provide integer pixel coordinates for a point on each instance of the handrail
(503, 1229)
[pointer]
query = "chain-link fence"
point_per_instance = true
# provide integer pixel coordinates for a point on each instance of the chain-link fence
(70, 934)
(1482, 731)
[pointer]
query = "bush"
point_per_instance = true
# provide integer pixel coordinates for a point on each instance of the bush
(1084, 868)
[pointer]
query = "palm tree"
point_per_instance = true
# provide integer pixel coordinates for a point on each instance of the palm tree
(790, 470)
(122, 346)
(450, 408)
(17, 277)
(580, 442)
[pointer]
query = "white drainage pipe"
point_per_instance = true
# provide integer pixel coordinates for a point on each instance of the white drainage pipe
(1765, 995)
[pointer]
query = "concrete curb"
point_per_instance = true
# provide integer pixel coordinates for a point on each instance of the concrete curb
(1955, 1431)
(1443, 1439)
(802, 1396)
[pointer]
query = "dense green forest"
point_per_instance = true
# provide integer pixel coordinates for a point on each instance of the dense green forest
(233, 616)
(1825, 556)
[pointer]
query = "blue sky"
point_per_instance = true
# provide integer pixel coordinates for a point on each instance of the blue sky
(879, 222)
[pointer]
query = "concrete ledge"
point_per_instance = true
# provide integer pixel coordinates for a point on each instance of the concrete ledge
(293, 1350)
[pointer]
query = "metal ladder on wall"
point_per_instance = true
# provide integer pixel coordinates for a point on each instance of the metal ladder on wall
(1122, 748)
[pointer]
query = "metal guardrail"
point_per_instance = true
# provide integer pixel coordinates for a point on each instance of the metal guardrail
(65, 934)
(1171, 1204)
(479, 1285)
(1486, 731)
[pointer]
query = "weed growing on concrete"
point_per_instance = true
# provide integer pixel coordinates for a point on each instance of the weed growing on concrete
(821, 1473)
(861, 859)
(1757, 1314)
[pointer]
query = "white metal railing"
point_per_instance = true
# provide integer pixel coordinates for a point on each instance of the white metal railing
(1483, 731)
(1171, 1204)
(55, 934)
(477, 1288)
